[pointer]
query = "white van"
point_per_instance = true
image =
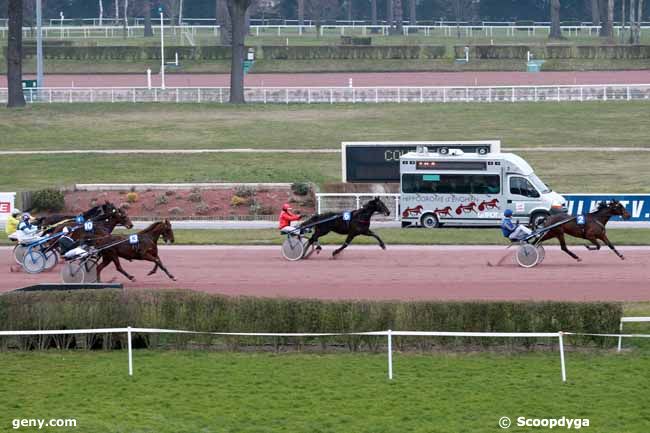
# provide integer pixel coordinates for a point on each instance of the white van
(454, 187)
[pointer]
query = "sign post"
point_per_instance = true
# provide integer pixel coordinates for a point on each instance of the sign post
(162, 49)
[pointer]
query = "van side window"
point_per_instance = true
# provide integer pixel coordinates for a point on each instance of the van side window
(521, 186)
(451, 184)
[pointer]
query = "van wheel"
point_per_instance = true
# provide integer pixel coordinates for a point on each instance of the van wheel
(537, 219)
(430, 221)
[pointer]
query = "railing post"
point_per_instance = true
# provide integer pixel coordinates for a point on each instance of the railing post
(397, 208)
(358, 202)
(198, 96)
(399, 96)
(421, 96)
(604, 93)
(134, 95)
(390, 355)
(628, 93)
(376, 95)
(128, 335)
(177, 98)
(318, 204)
(562, 357)
(513, 95)
(286, 95)
(620, 339)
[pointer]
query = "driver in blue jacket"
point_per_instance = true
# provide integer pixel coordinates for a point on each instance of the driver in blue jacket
(511, 230)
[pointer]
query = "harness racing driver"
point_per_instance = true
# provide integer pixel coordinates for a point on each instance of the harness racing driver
(286, 218)
(512, 231)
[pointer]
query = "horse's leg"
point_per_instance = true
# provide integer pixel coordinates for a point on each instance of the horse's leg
(153, 271)
(344, 246)
(154, 258)
(605, 239)
(560, 237)
(120, 269)
(374, 235)
(105, 262)
(595, 242)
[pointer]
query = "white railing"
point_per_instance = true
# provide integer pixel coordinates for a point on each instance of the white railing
(342, 95)
(629, 320)
(443, 29)
(389, 334)
(339, 202)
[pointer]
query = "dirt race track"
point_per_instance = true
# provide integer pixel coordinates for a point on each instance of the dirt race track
(366, 272)
(358, 79)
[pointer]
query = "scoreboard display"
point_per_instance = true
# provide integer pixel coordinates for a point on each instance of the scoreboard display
(379, 162)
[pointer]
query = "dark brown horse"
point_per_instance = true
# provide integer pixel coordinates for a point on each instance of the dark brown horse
(359, 224)
(146, 248)
(592, 230)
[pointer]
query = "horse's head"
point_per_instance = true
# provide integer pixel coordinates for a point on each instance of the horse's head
(616, 208)
(117, 215)
(167, 232)
(376, 205)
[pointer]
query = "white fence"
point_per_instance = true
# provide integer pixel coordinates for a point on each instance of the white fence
(630, 320)
(444, 29)
(342, 95)
(339, 202)
(388, 334)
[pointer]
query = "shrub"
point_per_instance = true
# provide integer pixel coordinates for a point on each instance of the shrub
(169, 193)
(175, 210)
(260, 209)
(300, 188)
(161, 199)
(244, 191)
(195, 197)
(132, 197)
(202, 209)
(238, 201)
(48, 200)
(205, 312)
(125, 206)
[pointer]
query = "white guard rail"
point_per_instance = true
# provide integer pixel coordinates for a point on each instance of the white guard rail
(341, 95)
(629, 320)
(389, 334)
(339, 202)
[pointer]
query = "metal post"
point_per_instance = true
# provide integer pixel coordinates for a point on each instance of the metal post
(620, 339)
(162, 51)
(396, 208)
(562, 358)
(128, 335)
(149, 78)
(318, 204)
(39, 44)
(390, 355)
(358, 202)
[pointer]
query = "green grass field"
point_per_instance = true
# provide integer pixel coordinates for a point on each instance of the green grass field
(197, 391)
(126, 126)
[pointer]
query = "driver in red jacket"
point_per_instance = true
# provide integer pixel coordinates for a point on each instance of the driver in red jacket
(286, 218)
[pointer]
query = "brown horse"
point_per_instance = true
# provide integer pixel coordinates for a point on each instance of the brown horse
(592, 230)
(146, 248)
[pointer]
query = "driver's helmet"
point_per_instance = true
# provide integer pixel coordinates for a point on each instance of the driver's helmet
(15, 213)
(286, 206)
(507, 213)
(26, 217)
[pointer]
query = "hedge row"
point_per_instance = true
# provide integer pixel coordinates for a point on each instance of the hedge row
(188, 310)
(104, 53)
(589, 52)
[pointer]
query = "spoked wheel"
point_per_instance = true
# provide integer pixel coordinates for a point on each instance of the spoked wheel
(542, 254)
(34, 262)
(293, 248)
(19, 253)
(527, 256)
(52, 258)
(73, 273)
(90, 269)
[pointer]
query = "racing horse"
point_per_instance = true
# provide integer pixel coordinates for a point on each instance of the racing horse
(104, 217)
(146, 248)
(359, 224)
(592, 230)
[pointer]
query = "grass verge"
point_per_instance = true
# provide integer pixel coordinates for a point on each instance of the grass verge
(179, 392)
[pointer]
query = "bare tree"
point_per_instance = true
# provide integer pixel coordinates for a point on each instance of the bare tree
(390, 18)
(373, 12)
(146, 11)
(460, 9)
(556, 30)
(595, 13)
(348, 4)
(319, 10)
(101, 11)
(606, 26)
(301, 12)
(225, 24)
(15, 54)
(125, 21)
(237, 9)
(610, 20)
(623, 29)
(412, 13)
(398, 15)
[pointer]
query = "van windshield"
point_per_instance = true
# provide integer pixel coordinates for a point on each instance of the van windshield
(539, 184)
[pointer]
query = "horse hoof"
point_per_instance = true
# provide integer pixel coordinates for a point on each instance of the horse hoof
(131, 279)
(579, 259)
(622, 257)
(383, 247)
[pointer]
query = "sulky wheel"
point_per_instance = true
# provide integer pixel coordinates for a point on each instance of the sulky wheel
(527, 256)
(73, 273)
(34, 262)
(90, 272)
(542, 254)
(52, 258)
(19, 253)
(293, 248)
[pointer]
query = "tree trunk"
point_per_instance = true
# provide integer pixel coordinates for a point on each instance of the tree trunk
(556, 30)
(595, 13)
(604, 27)
(117, 11)
(148, 31)
(412, 13)
(101, 11)
(398, 14)
(301, 12)
(237, 9)
(623, 21)
(225, 23)
(125, 21)
(349, 10)
(390, 19)
(632, 20)
(373, 12)
(610, 20)
(15, 54)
